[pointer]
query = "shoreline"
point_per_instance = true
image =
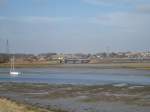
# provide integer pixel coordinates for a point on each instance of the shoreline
(144, 66)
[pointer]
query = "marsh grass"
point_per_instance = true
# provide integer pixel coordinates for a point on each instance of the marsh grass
(9, 106)
(143, 66)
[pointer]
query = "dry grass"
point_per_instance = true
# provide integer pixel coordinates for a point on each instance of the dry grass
(96, 66)
(9, 106)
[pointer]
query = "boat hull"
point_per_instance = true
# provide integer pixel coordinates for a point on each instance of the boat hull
(14, 73)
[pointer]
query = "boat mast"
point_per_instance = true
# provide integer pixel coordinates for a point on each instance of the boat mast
(13, 64)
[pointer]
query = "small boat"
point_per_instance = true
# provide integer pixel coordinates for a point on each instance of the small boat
(13, 72)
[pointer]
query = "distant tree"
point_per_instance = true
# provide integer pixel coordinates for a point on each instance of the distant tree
(113, 54)
(4, 58)
(104, 54)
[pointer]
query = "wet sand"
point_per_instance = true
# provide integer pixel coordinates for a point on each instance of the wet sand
(80, 98)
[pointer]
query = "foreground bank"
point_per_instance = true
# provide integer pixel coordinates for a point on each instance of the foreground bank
(11, 106)
(80, 98)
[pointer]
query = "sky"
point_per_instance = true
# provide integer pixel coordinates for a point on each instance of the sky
(74, 26)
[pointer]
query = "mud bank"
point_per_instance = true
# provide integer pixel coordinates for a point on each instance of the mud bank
(79, 98)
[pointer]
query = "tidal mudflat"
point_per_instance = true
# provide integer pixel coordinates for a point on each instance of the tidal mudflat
(80, 98)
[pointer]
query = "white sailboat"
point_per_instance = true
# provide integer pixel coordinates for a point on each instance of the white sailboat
(13, 72)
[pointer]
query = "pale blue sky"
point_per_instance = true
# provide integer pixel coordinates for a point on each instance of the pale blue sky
(35, 26)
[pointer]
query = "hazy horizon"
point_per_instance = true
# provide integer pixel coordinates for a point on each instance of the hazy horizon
(74, 26)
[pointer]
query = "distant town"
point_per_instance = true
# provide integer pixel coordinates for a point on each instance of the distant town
(78, 58)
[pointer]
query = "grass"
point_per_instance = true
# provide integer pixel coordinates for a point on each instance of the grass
(29, 65)
(144, 66)
(9, 106)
